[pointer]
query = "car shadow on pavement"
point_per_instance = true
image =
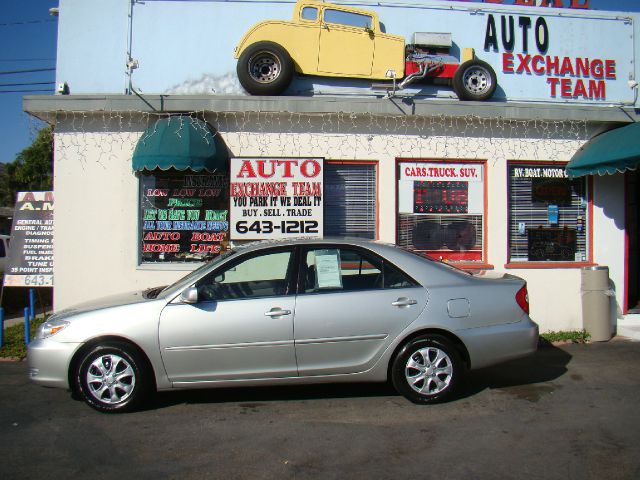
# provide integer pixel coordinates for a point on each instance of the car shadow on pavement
(526, 377)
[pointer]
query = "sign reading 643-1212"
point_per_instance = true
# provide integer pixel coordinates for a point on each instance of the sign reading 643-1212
(276, 198)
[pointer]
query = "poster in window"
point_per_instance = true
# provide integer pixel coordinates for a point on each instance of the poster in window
(275, 198)
(551, 244)
(184, 216)
(441, 188)
(440, 197)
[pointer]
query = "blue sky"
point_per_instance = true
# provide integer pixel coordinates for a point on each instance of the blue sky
(28, 39)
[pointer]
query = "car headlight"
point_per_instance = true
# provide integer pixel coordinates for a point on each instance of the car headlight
(51, 327)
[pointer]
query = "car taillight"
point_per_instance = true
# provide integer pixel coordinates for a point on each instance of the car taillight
(522, 297)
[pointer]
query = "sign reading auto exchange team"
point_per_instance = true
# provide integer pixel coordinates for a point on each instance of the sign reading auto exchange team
(276, 198)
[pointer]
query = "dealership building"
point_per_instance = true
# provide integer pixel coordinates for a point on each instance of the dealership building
(162, 161)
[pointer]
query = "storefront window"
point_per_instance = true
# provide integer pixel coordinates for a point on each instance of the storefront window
(547, 214)
(441, 209)
(183, 216)
(350, 200)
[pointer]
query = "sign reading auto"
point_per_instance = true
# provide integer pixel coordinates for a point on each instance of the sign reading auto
(276, 198)
(574, 56)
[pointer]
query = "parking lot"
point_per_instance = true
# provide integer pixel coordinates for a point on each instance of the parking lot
(569, 412)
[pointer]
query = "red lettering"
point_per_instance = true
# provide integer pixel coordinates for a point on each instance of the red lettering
(597, 69)
(261, 169)
(315, 168)
(246, 170)
(565, 88)
(526, 3)
(537, 68)
(577, 4)
(567, 67)
(610, 69)
(553, 82)
(582, 67)
(287, 167)
(597, 89)
(552, 65)
(507, 62)
(580, 90)
(524, 63)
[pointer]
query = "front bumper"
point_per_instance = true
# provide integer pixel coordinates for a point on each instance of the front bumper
(49, 362)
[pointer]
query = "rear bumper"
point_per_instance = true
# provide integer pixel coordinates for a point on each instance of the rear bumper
(49, 362)
(490, 345)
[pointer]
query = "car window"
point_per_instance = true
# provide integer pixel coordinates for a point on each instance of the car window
(341, 269)
(2, 249)
(263, 275)
(347, 18)
(309, 13)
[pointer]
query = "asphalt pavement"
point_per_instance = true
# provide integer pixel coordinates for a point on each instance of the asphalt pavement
(568, 412)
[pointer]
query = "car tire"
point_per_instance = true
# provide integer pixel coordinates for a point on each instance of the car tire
(475, 80)
(112, 377)
(265, 68)
(426, 369)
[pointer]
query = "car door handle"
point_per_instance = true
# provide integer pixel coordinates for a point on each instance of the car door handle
(404, 302)
(277, 312)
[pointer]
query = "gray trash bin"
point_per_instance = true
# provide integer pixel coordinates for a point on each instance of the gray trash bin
(596, 298)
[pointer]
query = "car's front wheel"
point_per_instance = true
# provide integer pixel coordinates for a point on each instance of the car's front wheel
(265, 68)
(426, 369)
(111, 377)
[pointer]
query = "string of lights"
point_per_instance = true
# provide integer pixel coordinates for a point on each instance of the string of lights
(331, 135)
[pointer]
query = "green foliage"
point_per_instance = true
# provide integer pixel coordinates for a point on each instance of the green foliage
(575, 336)
(14, 346)
(32, 170)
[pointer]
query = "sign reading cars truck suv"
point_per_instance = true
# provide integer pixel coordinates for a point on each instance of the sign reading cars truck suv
(276, 198)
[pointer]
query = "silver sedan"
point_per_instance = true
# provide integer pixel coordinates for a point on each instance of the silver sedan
(304, 311)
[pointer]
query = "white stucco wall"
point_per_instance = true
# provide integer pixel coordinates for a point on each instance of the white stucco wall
(96, 216)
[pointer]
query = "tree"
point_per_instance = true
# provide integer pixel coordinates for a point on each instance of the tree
(32, 170)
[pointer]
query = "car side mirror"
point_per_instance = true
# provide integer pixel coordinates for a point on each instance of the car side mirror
(190, 295)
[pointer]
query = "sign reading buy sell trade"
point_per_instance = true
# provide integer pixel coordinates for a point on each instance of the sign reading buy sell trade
(31, 251)
(276, 198)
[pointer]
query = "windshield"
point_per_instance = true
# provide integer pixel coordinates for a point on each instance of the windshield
(191, 277)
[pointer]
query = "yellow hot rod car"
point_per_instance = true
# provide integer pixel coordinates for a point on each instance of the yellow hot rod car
(330, 40)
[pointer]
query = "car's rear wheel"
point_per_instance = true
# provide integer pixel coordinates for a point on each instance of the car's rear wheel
(111, 377)
(474, 80)
(265, 68)
(426, 369)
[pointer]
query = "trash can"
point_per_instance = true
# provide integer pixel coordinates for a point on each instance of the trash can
(596, 298)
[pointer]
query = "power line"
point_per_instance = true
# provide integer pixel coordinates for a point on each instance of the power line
(25, 22)
(26, 59)
(25, 84)
(11, 72)
(25, 91)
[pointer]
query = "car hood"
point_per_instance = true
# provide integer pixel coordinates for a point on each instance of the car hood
(118, 300)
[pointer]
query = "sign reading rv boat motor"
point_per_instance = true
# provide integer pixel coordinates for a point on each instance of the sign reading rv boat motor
(30, 262)
(567, 77)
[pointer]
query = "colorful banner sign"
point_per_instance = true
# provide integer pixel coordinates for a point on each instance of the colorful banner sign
(276, 198)
(30, 262)
(183, 217)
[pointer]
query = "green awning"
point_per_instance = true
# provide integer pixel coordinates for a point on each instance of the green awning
(181, 142)
(610, 152)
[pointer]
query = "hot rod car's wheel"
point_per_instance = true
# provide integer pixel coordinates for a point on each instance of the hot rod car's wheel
(265, 68)
(426, 369)
(474, 80)
(111, 377)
